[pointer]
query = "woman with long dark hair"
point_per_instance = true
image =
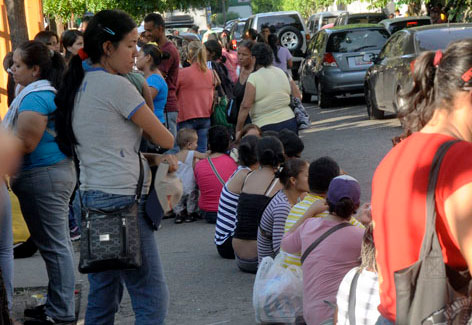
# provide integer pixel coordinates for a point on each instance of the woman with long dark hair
(438, 109)
(103, 116)
(282, 56)
(47, 177)
(72, 41)
(148, 60)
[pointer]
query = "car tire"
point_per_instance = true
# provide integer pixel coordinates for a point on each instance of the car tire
(306, 97)
(324, 100)
(373, 111)
(291, 38)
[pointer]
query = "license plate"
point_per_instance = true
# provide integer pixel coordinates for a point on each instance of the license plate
(360, 61)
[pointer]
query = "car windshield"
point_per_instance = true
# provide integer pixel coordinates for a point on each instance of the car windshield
(436, 39)
(239, 30)
(357, 40)
(395, 27)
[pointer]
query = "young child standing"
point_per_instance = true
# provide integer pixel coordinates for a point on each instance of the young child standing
(187, 207)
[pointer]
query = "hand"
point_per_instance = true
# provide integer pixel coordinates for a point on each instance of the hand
(364, 215)
(171, 160)
(317, 207)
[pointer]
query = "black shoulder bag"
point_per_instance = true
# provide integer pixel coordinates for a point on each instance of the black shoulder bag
(110, 239)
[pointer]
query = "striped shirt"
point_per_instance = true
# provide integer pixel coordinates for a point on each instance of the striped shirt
(367, 298)
(296, 213)
(226, 215)
(271, 228)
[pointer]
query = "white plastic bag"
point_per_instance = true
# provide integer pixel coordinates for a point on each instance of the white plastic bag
(278, 292)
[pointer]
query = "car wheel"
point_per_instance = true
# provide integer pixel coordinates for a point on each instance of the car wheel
(324, 100)
(372, 110)
(291, 38)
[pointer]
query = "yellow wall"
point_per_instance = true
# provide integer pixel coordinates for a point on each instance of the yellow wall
(34, 20)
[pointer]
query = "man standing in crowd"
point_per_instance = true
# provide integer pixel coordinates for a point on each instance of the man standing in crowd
(154, 26)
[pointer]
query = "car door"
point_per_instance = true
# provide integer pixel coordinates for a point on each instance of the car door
(393, 68)
(307, 76)
(318, 54)
(378, 71)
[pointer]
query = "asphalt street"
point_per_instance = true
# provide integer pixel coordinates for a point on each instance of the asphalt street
(207, 290)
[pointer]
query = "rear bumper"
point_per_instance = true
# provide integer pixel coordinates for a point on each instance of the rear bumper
(337, 81)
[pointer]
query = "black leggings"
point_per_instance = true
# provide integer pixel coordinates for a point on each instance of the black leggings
(226, 250)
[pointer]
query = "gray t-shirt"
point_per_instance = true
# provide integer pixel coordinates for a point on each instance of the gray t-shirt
(108, 139)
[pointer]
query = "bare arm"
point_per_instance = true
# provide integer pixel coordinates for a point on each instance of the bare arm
(199, 155)
(149, 93)
(458, 208)
(294, 89)
(151, 125)
(246, 105)
(289, 63)
(30, 129)
(155, 159)
(316, 208)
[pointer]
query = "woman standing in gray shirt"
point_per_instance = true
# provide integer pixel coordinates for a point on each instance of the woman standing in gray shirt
(104, 116)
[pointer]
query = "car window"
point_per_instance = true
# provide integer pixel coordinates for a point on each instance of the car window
(238, 30)
(357, 40)
(320, 42)
(395, 27)
(328, 20)
(247, 25)
(279, 21)
(435, 39)
(394, 47)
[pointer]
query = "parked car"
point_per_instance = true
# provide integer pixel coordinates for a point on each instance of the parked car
(390, 76)
(337, 60)
(318, 20)
(347, 18)
(179, 23)
(396, 24)
(236, 32)
(290, 29)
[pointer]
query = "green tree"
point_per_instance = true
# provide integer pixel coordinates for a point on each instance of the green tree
(266, 5)
(136, 8)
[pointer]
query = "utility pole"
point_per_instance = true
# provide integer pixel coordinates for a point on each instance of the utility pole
(224, 12)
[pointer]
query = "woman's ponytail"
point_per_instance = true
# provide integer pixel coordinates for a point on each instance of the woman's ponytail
(58, 66)
(421, 98)
(197, 54)
(64, 100)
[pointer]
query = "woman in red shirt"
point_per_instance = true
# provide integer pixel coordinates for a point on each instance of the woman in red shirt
(439, 109)
(195, 88)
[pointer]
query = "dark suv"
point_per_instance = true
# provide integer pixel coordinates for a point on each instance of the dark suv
(290, 29)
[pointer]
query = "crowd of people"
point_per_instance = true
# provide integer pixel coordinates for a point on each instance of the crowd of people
(86, 125)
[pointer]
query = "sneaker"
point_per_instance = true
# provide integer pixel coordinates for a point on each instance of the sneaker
(36, 312)
(75, 233)
(179, 218)
(47, 320)
(189, 218)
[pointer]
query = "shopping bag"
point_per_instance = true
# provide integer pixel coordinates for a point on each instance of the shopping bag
(278, 292)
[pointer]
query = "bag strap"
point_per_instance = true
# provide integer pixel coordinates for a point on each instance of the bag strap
(321, 238)
(352, 299)
(430, 244)
(139, 187)
(216, 172)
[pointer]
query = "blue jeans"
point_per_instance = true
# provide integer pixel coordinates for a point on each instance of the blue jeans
(277, 127)
(201, 125)
(383, 321)
(146, 285)
(171, 124)
(44, 194)
(6, 242)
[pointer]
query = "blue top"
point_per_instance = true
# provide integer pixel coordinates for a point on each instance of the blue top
(47, 152)
(157, 82)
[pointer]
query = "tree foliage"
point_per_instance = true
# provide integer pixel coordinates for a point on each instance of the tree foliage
(259, 6)
(136, 8)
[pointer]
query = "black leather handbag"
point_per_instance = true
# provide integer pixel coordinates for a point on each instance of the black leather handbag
(110, 239)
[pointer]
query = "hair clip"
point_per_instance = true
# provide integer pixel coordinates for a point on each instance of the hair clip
(467, 75)
(437, 57)
(106, 29)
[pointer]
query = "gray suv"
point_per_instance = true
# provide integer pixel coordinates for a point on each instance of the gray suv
(290, 29)
(337, 60)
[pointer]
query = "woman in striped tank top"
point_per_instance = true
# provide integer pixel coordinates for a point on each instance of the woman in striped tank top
(226, 217)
